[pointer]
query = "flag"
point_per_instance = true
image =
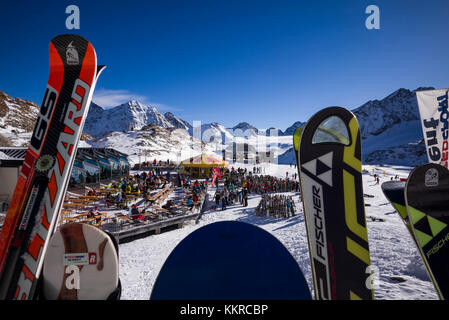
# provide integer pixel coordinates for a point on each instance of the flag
(217, 173)
(433, 110)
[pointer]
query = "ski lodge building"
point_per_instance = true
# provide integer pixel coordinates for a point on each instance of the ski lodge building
(92, 165)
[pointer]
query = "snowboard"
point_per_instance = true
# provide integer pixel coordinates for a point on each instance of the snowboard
(230, 260)
(81, 263)
(45, 173)
(331, 185)
(427, 202)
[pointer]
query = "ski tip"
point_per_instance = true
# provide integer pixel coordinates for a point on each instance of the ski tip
(394, 191)
(70, 36)
(100, 68)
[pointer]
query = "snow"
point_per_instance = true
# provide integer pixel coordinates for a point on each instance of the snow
(393, 253)
(17, 137)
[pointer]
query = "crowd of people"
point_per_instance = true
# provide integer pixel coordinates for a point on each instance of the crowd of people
(138, 184)
(228, 196)
(259, 184)
(276, 206)
(239, 183)
(235, 187)
(155, 162)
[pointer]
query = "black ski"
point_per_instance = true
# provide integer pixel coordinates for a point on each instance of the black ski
(427, 201)
(331, 183)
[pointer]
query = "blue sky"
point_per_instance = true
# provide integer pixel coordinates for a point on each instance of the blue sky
(269, 63)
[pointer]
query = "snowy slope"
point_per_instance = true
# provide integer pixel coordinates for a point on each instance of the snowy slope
(17, 120)
(288, 156)
(401, 144)
(376, 116)
(393, 253)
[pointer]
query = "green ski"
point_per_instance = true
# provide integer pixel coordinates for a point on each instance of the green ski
(427, 202)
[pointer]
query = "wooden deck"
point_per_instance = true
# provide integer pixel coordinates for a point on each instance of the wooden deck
(134, 229)
(139, 230)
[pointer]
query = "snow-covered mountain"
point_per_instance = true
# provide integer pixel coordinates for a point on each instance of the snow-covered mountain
(291, 130)
(376, 116)
(152, 142)
(390, 128)
(132, 115)
(216, 132)
(248, 130)
(245, 128)
(212, 132)
(177, 122)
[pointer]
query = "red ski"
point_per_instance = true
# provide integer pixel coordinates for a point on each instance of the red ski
(34, 209)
